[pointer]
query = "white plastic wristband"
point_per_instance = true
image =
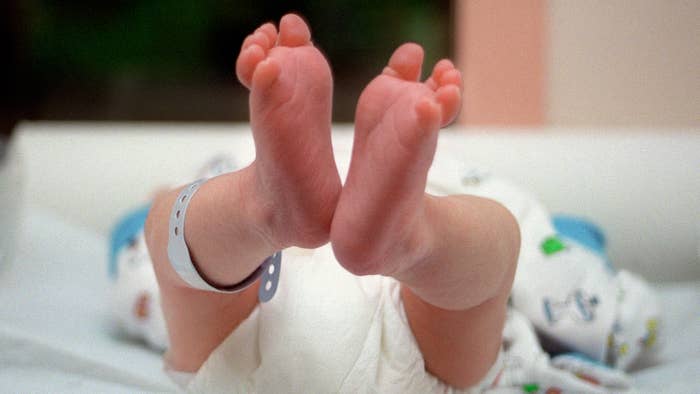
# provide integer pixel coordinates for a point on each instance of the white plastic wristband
(181, 261)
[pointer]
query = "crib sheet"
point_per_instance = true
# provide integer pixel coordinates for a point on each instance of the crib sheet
(55, 334)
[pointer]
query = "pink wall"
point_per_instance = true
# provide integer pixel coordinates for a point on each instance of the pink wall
(500, 49)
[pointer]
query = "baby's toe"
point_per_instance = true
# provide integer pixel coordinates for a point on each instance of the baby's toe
(247, 62)
(265, 73)
(429, 113)
(270, 31)
(449, 98)
(258, 38)
(406, 62)
(440, 68)
(450, 77)
(294, 32)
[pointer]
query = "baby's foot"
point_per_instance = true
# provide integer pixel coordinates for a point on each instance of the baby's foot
(295, 174)
(377, 228)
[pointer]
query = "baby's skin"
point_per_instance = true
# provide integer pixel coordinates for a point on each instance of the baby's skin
(455, 256)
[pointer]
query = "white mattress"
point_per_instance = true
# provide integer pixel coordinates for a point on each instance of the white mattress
(55, 334)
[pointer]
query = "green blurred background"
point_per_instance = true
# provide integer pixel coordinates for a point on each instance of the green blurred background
(174, 60)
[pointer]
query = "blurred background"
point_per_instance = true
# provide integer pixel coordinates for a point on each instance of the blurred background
(531, 62)
(174, 59)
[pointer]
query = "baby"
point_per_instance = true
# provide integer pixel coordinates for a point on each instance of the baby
(453, 257)
(406, 291)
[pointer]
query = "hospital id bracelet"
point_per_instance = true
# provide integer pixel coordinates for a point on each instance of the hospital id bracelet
(181, 261)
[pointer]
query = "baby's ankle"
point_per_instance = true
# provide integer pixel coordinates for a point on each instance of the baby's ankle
(410, 245)
(307, 225)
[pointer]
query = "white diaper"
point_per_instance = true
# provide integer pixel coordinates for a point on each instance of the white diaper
(329, 331)
(325, 331)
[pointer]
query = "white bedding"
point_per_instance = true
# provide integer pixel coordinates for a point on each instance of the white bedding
(55, 334)
(641, 186)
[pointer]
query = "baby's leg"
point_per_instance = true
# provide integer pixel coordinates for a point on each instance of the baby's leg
(286, 197)
(455, 256)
